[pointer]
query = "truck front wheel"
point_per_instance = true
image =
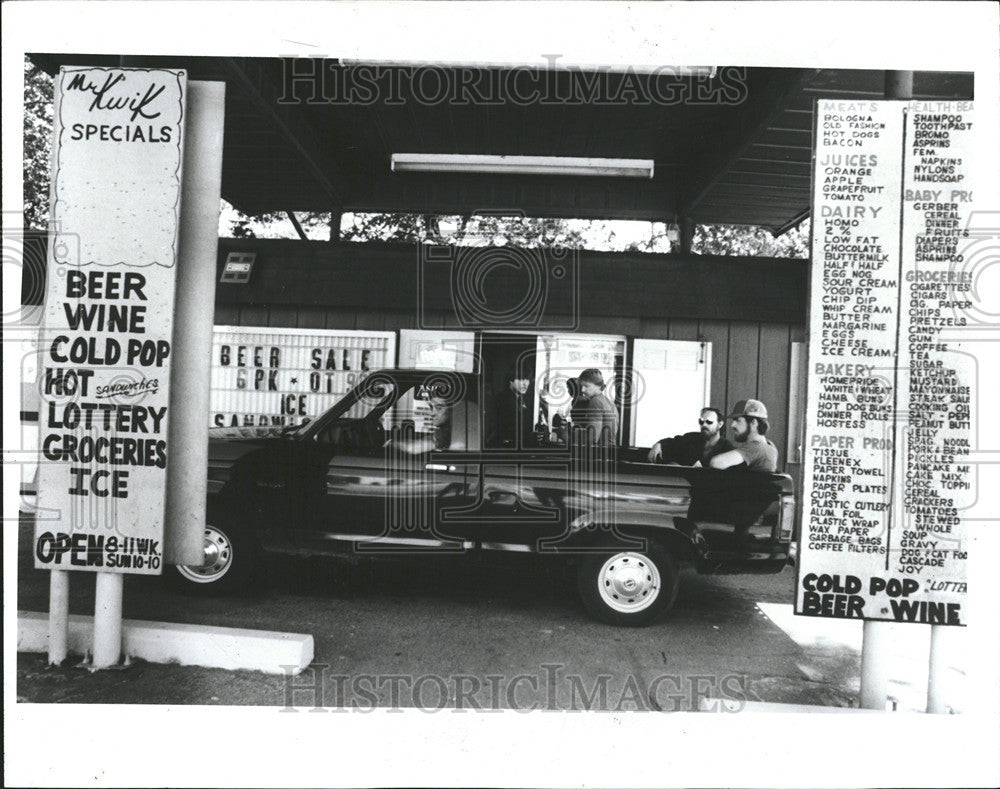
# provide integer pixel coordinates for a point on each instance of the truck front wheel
(630, 588)
(231, 556)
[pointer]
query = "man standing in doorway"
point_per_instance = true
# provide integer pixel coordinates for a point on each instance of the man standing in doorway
(751, 447)
(695, 448)
(514, 426)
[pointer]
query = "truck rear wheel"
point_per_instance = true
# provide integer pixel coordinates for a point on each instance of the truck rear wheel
(630, 588)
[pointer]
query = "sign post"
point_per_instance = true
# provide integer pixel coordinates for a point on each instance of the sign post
(58, 616)
(935, 672)
(107, 619)
(115, 203)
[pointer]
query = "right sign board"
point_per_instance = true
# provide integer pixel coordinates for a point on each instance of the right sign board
(888, 420)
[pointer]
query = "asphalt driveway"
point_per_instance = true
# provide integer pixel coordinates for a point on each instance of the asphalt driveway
(492, 631)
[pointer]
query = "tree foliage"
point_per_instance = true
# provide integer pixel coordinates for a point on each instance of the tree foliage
(233, 223)
(245, 226)
(474, 230)
(751, 241)
(37, 145)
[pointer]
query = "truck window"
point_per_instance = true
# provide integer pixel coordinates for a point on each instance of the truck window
(423, 421)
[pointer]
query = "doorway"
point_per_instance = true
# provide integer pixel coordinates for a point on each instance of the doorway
(506, 356)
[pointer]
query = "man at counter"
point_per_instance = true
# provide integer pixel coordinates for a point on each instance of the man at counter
(595, 419)
(751, 447)
(695, 448)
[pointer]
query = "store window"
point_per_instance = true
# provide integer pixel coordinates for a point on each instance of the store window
(671, 383)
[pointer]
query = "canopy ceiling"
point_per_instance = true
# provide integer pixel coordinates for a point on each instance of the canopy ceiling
(731, 149)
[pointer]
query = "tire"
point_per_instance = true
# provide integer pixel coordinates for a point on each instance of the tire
(628, 588)
(232, 557)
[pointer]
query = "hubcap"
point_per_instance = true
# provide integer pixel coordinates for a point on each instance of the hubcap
(218, 559)
(628, 582)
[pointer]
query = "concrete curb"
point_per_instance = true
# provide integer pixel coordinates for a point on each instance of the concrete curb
(189, 645)
(732, 705)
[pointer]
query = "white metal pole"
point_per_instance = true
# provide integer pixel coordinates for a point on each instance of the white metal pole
(58, 616)
(108, 619)
(194, 317)
(875, 638)
(936, 670)
(874, 665)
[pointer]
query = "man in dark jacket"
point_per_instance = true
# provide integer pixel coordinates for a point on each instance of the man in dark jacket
(513, 424)
(693, 449)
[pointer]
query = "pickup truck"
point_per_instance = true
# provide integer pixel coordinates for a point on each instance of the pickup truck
(383, 472)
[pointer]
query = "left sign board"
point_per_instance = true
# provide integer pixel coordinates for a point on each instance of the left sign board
(109, 306)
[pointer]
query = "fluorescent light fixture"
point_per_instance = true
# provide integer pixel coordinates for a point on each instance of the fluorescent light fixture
(551, 62)
(521, 165)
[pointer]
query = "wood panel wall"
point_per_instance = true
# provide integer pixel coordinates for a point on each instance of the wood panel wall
(601, 285)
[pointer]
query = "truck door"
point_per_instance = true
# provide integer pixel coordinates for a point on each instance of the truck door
(388, 495)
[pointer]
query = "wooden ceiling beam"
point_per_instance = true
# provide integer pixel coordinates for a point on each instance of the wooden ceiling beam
(758, 118)
(780, 230)
(249, 77)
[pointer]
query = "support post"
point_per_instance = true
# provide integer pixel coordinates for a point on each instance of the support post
(58, 616)
(298, 227)
(336, 216)
(108, 619)
(937, 667)
(687, 234)
(874, 665)
(194, 317)
(899, 84)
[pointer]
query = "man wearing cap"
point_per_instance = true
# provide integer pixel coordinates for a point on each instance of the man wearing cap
(593, 412)
(752, 448)
(695, 448)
